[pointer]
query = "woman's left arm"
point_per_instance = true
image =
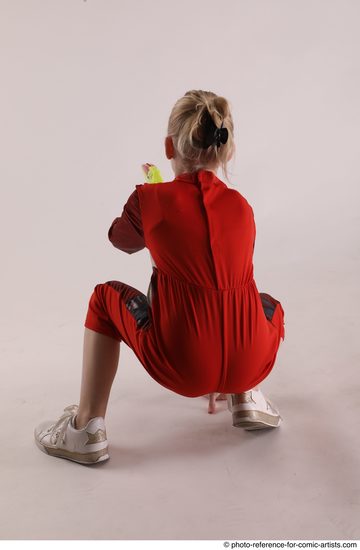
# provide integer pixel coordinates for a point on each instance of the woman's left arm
(126, 232)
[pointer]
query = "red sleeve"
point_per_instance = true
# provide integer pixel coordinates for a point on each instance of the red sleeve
(126, 232)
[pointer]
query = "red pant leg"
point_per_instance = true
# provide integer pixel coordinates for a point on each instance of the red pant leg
(119, 311)
(123, 312)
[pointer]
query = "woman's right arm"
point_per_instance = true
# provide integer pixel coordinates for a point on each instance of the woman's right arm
(126, 231)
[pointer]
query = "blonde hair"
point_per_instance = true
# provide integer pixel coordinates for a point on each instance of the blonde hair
(187, 127)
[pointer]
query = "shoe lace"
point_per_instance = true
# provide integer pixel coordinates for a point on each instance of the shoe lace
(58, 429)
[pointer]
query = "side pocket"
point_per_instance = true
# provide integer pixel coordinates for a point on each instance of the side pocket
(269, 304)
(139, 309)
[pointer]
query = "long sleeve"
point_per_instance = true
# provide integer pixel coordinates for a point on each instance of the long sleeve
(126, 232)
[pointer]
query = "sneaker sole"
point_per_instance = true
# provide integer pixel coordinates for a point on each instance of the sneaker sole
(255, 420)
(82, 458)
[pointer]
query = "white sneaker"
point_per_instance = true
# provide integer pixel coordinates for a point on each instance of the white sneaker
(60, 438)
(253, 411)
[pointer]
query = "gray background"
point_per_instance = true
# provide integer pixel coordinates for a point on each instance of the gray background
(86, 92)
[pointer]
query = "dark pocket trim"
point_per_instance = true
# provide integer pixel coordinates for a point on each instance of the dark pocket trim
(139, 309)
(269, 304)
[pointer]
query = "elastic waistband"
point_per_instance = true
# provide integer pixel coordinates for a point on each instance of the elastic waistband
(188, 283)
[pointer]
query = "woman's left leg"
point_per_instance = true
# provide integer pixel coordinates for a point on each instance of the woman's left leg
(116, 313)
(100, 362)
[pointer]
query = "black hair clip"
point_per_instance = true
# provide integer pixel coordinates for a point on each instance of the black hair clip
(221, 135)
(215, 135)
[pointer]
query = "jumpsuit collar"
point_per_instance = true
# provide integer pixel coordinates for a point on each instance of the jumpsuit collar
(195, 176)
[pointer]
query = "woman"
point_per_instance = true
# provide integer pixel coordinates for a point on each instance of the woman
(203, 327)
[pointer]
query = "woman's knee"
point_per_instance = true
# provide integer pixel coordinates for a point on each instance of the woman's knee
(97, 299)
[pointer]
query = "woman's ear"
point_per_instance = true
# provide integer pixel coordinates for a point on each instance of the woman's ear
(169, 147)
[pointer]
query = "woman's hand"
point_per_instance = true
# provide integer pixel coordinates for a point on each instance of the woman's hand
(213, 397)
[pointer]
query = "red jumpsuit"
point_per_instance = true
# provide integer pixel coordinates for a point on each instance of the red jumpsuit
(203, 326)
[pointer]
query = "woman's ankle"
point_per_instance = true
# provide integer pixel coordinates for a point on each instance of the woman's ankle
(79, 422)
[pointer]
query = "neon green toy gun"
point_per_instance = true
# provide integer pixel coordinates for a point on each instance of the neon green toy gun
(152, 173)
